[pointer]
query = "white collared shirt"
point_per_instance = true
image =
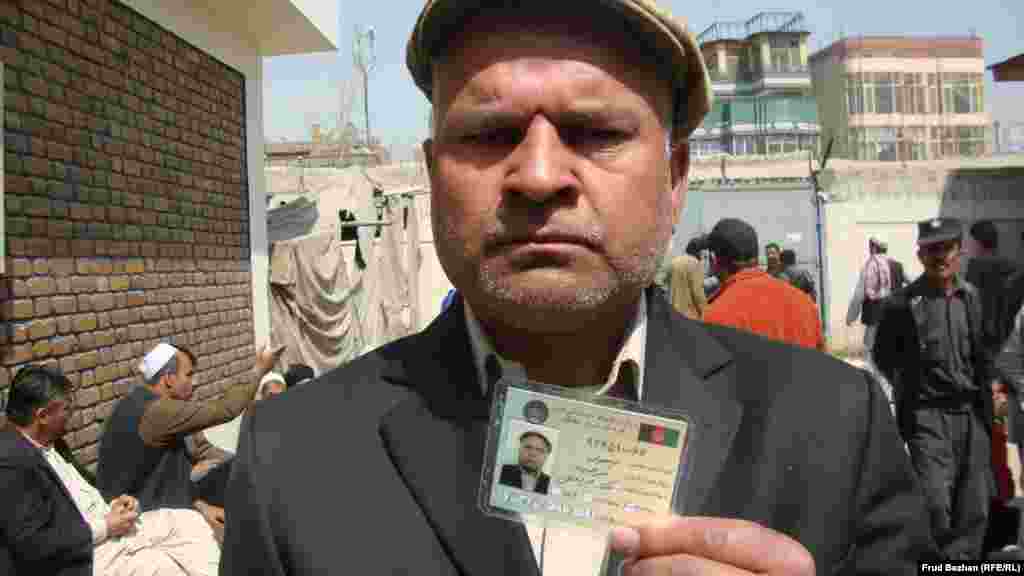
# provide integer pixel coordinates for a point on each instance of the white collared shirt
(561, 548)
(633, 349)
(87, 498)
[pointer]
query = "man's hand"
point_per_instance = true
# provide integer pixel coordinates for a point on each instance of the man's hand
(693, 545)
(202, 467)
(125, 503)
(214, 516)
(121, 520)
(267, 358)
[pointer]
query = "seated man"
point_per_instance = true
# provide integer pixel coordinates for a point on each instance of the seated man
(144, 450)
(53, 521)
(298, 374)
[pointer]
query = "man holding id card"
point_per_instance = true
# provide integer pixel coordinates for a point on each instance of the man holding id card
(558, 165)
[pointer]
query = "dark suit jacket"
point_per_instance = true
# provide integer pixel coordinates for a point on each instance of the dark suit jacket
(39, 523)
(990, 275)
(897, 349)
(790, 438)
(512, 475)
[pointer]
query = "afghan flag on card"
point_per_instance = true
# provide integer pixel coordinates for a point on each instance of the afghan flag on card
(660, 435)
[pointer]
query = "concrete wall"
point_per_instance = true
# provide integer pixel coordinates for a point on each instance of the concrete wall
(888, 201)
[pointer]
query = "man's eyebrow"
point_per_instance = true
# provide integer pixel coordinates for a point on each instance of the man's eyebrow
(488, 116)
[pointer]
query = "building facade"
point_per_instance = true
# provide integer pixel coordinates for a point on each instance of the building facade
(133, 187)
(764, 104)
(903, 99)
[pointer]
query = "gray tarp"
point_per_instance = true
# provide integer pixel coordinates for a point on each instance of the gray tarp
(311, 303)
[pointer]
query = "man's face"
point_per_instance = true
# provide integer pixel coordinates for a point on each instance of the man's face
(772, 256)
(55, 415)
(941, 260)
(180, 386)
(532, 453)
(551, 188)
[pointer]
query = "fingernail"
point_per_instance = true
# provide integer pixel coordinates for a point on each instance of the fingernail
(625, 540)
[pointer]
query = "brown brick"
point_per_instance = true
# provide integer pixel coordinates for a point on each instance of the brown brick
(65, 324)
(63, 285)
(42, 329)
(41, 286)
(20, 267)
(41, 349)
(85, 302)
(135, 298)
(135, 266)
(125, 317)
(62, 266)
(120, 283)
(42, 307)
(69, 365)
(107, 392)
(63, 345)
(88, 360)
(101, 302)
(103, 319)
(84, 323)
(106, 338)
(63, 304)
(83, 284)
(86, 341)
(17, 309)
(17, 354)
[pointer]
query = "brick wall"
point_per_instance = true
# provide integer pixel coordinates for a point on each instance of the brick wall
(126, 203)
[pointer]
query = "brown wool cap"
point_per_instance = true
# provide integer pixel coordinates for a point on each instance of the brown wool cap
(676, 45)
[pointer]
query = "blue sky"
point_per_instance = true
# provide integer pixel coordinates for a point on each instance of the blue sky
(301, 90)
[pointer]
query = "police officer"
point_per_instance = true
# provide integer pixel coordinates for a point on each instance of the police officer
(929, 347)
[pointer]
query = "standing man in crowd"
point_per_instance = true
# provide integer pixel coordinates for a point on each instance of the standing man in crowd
(752, 300)
(798, 277)
(554, 188)
(930, 348)
(897, 276)
(686, 286)
(147, 449)
(873, 286)
(989, 273)
(773, 260)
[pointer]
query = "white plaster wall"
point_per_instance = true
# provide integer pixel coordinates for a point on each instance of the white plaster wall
(323, 14)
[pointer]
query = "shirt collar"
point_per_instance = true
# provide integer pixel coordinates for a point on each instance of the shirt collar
(33, 442)
(632, 350)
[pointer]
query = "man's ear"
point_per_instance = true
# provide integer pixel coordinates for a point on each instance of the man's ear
(679, 161)
(428, 155)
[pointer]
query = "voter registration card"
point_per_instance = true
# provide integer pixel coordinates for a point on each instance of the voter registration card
(594, 461)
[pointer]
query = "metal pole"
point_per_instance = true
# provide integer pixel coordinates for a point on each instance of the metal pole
(366, 104)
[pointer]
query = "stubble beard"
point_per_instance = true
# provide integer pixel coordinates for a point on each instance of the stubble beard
(567, 306)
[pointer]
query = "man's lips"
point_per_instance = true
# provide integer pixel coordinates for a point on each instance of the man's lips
(541, 240)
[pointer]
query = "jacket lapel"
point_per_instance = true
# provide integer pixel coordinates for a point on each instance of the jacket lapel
(36, 456)
(688, 370)
(436, 440)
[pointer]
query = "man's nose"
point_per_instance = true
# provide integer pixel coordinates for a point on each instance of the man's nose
(540, 164)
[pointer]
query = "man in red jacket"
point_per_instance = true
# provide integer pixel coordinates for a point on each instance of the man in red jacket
(751, 299)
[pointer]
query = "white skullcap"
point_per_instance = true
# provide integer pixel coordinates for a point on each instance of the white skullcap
(157, 358)
(271, 377)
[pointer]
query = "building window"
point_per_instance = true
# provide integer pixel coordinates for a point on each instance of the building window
(885, 92)
(962, 93)
(785, 54)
